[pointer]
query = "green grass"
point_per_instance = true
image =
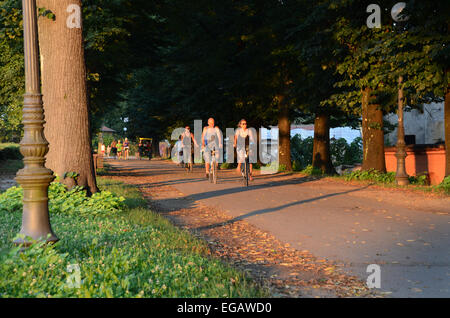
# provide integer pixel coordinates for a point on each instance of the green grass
(122, 250)
(8, 144)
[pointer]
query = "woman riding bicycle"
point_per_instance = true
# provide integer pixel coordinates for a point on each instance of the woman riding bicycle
(242, 134)
(188, 142)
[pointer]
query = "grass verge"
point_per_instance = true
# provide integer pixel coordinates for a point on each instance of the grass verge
(122, 249)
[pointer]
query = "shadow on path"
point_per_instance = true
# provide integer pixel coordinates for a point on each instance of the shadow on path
(253, 187)
(274, 209)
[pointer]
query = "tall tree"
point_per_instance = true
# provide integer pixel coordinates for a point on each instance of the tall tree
(11, 71)
(65, 91)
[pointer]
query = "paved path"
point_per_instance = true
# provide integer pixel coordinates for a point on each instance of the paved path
(405, 232)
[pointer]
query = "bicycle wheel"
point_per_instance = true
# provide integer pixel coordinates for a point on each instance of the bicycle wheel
(211, 172)
(247, 173)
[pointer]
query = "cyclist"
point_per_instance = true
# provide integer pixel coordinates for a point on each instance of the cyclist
(242, 133)
(188, 141)
(211, 140)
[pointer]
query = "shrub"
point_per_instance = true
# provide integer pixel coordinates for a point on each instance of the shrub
(312, 171)
(341, 152)
(301, 151)
(10, 153)
(445, 184)
(62, 200)
(296, 165)
(282, 167)
(371, 175)
(419, 180)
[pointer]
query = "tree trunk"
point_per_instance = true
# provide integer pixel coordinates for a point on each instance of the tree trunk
(65, 93)
(284, 139)
(447, 130)
(373, 135)
(321, 149)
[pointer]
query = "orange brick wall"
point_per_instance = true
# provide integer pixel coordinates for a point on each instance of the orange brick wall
(418, 161)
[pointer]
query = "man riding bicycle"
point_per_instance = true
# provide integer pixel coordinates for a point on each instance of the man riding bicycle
(211, 141)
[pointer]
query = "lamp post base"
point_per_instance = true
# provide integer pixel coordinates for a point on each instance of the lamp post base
(401, 176)
(402, 180)
(35, 217)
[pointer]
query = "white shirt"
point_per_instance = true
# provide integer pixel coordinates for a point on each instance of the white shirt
(241, 133)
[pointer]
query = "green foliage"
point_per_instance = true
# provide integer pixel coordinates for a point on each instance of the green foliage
(10, 152)
(371, 175)
(133, 253)
(64, 201)
(342, 153)
(312, 171)
(12, 81)
(43, 12)
(301, 152)
(281, 168)
(445, 185)
(72, 175)
(421, 180)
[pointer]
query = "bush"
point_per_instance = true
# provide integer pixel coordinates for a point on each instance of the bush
(419, 180)
(310, 170)
(301, 152)
(371, 175)
(62, 200)
(445, 184)
(10, 153)
(341, 152)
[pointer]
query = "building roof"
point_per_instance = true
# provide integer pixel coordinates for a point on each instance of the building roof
(106, 129)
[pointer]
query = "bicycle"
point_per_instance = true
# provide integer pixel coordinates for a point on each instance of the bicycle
(189, 166)
(245, 168)
(212, 169)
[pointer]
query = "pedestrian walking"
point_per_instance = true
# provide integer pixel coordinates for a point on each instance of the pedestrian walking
(114, 148)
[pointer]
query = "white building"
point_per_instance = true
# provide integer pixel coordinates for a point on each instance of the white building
(427, 127)
(306, 131)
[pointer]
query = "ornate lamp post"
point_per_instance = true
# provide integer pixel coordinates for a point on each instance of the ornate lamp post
(34, 177)
(401, 176)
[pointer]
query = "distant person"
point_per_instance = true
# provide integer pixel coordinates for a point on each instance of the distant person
(140, 152)
(119, 149)
(108, 150)
(114, 148)
(102, 149)
(126, 148)
(148, 148)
